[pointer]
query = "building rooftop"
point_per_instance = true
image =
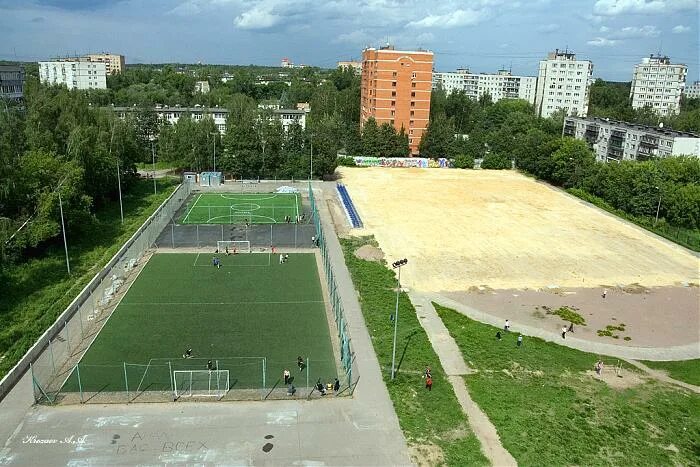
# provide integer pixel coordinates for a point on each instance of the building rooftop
(176, 108)
(635, 126)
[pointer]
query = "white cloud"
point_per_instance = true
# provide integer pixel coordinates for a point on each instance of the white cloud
(602, 42)
(604, 29)
(680, 29)
(450, 20)
(425, 37)
(635, 32)
(548, 28)
(355, 37)
(257, 18)
(645, 7)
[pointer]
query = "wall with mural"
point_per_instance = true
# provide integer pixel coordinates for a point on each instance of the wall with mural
(420, 162)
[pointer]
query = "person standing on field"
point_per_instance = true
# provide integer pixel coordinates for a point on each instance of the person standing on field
(520, 340)
(286, 375)
(506, 326)
(563, 332)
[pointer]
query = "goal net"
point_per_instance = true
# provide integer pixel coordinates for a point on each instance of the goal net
(240, 246)
(188, 383)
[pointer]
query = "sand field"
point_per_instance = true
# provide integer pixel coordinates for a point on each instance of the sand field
(463, 228)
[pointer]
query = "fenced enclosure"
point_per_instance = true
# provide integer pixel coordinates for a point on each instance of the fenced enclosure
(82, 320)
(243, 208)
(259, 236)
(347, 357)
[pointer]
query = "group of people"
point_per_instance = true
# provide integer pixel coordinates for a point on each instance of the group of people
(284, 258)
(319, 386)
(506, 328)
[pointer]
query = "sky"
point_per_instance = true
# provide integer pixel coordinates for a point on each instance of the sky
(482, 35)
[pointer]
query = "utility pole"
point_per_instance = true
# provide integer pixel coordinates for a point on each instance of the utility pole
(153, 154)
(396, 265)
(119, 185)
(63, 228)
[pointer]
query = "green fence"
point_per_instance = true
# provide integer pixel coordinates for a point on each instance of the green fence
(169, 379)
(346, 354)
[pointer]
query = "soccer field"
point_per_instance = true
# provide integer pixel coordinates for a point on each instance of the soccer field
(238, 208)
(250, 308)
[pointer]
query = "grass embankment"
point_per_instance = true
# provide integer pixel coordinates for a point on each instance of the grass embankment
(549, 411)
(689, 238)
(687, 371)
(34, 293)
(432, 422)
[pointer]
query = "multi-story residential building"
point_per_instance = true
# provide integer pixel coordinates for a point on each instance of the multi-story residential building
(692, 91)
(201, 87)
(114, 63)
(657, 83)
(617, 141)
(395, 89)
(173, 114)
(289, 117)
(11, 82)
(563, 83)
(502, 85)
(74, 73)
(351, 64)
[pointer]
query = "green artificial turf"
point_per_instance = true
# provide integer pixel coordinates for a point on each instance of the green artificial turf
(687, 371)
(237, 208)
(251, 307)
(549, 411)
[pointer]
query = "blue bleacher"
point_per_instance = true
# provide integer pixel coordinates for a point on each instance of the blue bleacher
(349, 207)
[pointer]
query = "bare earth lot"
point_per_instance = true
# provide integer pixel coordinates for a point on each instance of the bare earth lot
(503, 232)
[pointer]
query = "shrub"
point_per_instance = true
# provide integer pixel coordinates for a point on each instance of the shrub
(346, 161)
(496, 161)
(463, 161)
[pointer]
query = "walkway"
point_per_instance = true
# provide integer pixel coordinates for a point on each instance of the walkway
(682, 352)
(662, 376)
(455, 368)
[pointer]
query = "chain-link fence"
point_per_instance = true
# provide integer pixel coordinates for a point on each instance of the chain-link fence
(226, 378)
(80, 323)
(259, 236)
(347, 356)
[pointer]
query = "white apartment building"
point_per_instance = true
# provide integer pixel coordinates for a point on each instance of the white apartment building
(288, 117)
(201, 87)
(173, 114)
(355, 66)
(502, 85)
(658, 83)
(617, 141)
(114, 63)
(75, 74)
(692, 91)
(563, 83)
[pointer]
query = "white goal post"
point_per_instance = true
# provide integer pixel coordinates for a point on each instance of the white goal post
(242, 246)
(194, 383)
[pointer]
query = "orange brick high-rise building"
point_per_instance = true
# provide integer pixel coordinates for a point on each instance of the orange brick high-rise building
(396, 87)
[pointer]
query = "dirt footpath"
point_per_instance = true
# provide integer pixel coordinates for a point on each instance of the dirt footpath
(463, 228)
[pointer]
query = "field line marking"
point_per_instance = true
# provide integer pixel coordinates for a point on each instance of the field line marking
(192, 208)
(296, 203)
(301, 302)
(116, 305)
(196, 259)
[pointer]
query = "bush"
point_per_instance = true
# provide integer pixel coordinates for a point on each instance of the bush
(496, 161)
(346, 161)
(463, 161)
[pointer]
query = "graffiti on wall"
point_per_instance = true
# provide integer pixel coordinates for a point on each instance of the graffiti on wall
(405, 162)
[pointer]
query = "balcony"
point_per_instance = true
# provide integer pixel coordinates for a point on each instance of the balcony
(650, 140)
(615, 153)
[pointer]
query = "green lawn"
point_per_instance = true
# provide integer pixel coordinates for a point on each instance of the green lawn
(238, 208)
(251, 307)
(548, 411)
(35, 292)
(686, 370)
(160, 165)
(431, 421)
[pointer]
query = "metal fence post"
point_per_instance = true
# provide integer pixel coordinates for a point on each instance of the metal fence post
(222, 232)
(197, 234)
(307, 372)
(271, 235)
(80, 383)
(126, 382)
(172, 388)
(65, 327)
(80, 318)
(295, 235)
(53, 363)
(172, 233)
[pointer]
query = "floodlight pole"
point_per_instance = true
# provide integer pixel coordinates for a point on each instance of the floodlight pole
(153, 154)
(311, 164)
(63, 228)
(396, 265)
(658, 207)
(214, 135)
(119, 185)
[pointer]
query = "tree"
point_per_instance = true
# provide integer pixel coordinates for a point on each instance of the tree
(496, 161)
(571, 161)
(463, 161)
(438, 140)
(370, 138)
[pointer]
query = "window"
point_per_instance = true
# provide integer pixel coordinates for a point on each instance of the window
(391, 121)
(393, 93)
(393, 84)
(413, 85)
(393, 103)
(413, 94)
(413, 104)
(393, 74)
(413, 112)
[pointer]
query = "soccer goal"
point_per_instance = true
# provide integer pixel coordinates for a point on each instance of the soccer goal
(242, 246)
(209, 383)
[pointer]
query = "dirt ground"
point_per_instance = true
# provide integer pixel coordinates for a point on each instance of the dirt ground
(505, 243)
(645, 315)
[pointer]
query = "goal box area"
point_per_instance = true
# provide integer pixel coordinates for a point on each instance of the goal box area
(200, 383)
(243, 208)
(251, 317)
(233, 246)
